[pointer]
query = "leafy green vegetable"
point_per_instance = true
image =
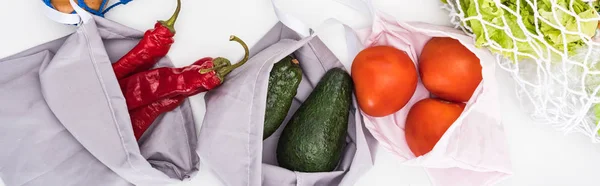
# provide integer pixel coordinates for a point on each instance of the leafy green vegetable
(541, 31)
(596, 110)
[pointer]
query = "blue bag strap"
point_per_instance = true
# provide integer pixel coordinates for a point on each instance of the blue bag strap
(121, 2)
(90, 10)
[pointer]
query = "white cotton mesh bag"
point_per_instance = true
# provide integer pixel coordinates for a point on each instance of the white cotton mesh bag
(552, 50)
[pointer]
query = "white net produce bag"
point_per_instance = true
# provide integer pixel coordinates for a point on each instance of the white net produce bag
(551, 49)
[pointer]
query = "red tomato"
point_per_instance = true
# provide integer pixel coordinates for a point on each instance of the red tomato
(449, 70)
(385, 79)
(427, 121)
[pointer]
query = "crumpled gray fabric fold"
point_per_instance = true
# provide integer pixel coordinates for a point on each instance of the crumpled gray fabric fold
(230, 140)
(64, 121)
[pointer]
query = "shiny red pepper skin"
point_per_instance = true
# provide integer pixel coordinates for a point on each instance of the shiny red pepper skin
(151, 93)
(142, 89)
(155, 45)
(143, 117)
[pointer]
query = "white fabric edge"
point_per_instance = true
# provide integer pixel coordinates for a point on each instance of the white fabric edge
(84, 15)
(80, 17)
(59, 17)
(363, 7)
(353, 43)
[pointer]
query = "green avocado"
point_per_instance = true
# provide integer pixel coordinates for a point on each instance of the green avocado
(313, 139)
(284, 80)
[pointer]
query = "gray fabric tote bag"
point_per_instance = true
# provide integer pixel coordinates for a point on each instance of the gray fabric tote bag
(64, 121)
(230, 140)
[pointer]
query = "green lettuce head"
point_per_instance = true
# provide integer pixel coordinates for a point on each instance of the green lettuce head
(530, 36)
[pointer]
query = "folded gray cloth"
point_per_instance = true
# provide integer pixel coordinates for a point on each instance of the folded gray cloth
(230, 140)
(64, 121)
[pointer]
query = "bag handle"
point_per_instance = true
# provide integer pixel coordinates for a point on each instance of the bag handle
(353, 44)
(361, 6)
(79, 15)
(60, 17)
(121, 2)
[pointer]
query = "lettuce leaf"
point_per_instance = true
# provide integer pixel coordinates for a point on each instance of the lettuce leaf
(493, 14)
(596, 111)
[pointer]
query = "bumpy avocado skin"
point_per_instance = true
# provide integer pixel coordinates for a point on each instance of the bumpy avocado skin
(314, 138)
(284, 80)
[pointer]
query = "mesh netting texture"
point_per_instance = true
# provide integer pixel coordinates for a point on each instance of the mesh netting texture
(551, 48)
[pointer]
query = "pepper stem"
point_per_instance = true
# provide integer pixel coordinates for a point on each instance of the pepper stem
(222, 66)
(226, 70)
(217, 64)
(170, 23)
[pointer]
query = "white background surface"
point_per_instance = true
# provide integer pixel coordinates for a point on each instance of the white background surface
(540, 155)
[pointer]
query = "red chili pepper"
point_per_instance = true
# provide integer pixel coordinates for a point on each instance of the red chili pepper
(143, 117)
(149, 86)
(154, 92)
(155, 45)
